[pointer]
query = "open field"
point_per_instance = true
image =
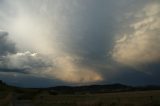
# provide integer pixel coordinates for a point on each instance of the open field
(146, 98)
(94, 95)
(137, 98)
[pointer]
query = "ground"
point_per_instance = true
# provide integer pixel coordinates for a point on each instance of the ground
(134, 98)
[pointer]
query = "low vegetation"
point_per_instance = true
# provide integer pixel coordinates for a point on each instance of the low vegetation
(119, 95)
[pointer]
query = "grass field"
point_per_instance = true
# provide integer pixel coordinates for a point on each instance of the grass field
(145, 98)
(137, 98)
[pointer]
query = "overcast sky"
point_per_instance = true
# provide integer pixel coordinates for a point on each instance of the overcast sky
(78, 42)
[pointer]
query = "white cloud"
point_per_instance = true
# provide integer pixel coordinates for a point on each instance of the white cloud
(141, 44)
(123, 39)
(26, 60)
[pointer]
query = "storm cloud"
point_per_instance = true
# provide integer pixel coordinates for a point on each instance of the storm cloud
(78, 41)
(12, 60)
(6, 46)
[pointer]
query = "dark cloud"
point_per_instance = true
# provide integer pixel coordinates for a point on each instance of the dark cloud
(6, 46)
(11, 60)
(25, 80)
(76, 41)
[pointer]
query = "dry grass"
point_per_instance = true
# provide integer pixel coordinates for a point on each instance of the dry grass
(5, 99)
(146, 98)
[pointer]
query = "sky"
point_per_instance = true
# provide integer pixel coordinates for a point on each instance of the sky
(79, 42)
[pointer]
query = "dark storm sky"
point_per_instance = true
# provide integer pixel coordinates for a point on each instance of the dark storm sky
(75, 42)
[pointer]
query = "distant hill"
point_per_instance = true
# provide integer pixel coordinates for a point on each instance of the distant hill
(91, 88)
(83, 89)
